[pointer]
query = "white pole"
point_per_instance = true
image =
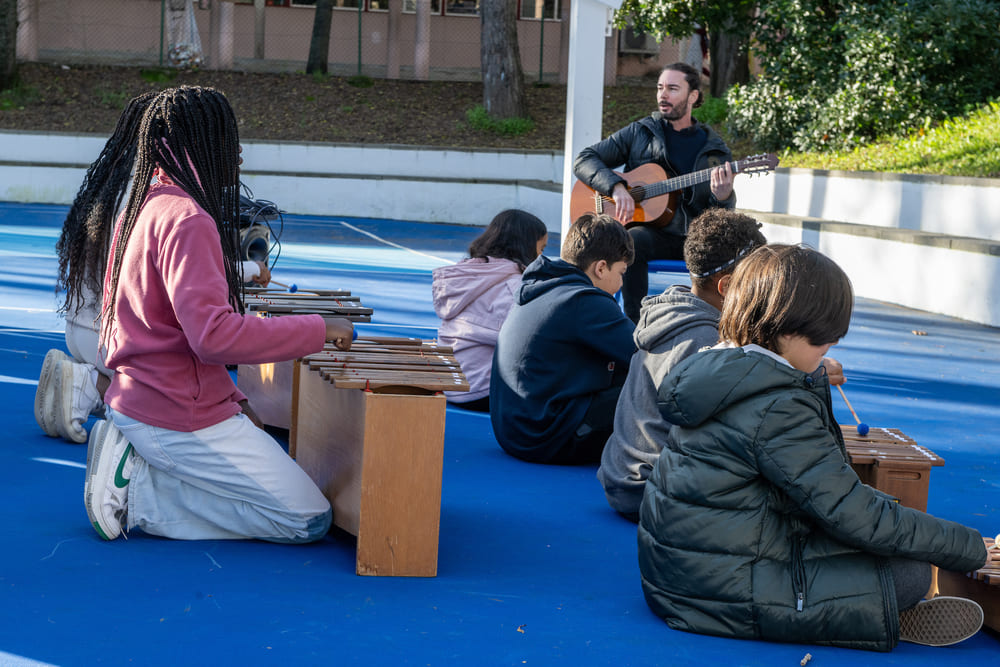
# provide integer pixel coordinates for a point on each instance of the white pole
(589, 20)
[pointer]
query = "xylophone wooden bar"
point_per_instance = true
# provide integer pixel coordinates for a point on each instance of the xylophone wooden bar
(371, 435)
(983, 586)
(269, 386)
(892, 462)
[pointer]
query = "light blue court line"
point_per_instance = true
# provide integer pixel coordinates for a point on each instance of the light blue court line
(11, 660)
(26, 230)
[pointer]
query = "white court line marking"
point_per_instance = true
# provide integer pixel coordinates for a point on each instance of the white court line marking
(14, 380)
(61, 462)
(390, 243)
(29, 310)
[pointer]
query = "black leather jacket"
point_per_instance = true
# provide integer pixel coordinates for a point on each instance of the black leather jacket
(642, 142)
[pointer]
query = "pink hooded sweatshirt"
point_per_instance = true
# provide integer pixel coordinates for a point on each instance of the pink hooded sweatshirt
(472, 298)
(174, 330)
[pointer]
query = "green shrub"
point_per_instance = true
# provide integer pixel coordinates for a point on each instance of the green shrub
(713, 111)
(839, 74)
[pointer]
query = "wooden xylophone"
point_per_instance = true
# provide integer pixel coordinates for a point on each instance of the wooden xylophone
(368, 428)
(332, 303)
(892, 462)
(269, 386)
(983, 586)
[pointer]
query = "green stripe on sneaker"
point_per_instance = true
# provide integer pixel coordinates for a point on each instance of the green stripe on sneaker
(120, 480)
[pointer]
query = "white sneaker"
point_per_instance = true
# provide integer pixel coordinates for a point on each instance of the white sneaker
(110, 461)
(45, 413)
(75, 398)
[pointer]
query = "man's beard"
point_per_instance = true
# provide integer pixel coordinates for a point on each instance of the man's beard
(676, 112)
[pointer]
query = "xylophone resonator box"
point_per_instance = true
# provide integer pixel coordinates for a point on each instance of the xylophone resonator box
(892, 462)
(368, 428)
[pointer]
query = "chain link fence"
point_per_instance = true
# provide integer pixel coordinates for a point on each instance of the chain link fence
(406, 39)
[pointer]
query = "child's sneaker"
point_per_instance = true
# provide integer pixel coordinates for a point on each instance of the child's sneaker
(45, 412)
(110, 460)
(75, 398)
(940, 621)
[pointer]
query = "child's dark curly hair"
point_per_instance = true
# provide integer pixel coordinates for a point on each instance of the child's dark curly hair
(716, 241)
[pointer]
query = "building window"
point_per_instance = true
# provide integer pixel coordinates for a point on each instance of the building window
(462, 7)
(451, 7)
(533, 9)
(410, 6)
(370, 5)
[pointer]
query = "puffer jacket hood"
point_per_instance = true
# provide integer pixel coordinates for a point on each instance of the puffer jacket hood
(719, 382)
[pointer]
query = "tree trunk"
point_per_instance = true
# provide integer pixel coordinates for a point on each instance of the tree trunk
(730, 61)
(8, 44)
(503, 79)
(319, 45)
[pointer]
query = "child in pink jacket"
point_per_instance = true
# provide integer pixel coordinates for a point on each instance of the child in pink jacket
(473, 297)
(178, 455)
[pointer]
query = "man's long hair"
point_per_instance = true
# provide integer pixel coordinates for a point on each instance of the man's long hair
(190, 133)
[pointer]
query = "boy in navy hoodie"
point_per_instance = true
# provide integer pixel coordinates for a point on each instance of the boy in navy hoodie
(563, 352)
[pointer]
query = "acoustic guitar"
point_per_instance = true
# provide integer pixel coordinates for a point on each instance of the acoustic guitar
(655, 193)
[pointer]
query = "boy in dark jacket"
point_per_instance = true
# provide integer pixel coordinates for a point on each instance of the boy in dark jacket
(753, 524)
(563, 352)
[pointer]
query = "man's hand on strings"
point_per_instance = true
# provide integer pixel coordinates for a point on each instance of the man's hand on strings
(722, 182)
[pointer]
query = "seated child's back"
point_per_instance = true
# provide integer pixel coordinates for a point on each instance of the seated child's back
(563, 352)
(473, 297)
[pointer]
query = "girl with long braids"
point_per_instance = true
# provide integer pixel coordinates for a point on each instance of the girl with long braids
(176, 457)
(70, 388)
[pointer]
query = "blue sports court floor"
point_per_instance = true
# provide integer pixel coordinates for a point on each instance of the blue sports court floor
(534, 568)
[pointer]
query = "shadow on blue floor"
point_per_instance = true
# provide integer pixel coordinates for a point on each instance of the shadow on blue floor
(534, 568)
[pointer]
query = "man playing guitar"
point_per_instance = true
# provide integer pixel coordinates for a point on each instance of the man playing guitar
(675, 141)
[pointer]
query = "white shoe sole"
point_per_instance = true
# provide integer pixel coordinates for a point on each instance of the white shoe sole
(45, 393)
(100, 471)
(62, 398)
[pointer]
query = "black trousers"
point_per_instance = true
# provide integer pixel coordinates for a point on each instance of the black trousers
(650, 243)
(597, 425)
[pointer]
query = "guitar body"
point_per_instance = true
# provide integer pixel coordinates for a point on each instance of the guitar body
(656, 195)
(653, 212)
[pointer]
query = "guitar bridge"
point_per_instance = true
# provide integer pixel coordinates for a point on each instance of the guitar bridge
(598, 203)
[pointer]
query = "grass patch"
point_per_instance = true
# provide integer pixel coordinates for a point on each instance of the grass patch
(158, 75)
(361, 81)
(962, 146)
(480, 120)
(116, 99)
(18, 97)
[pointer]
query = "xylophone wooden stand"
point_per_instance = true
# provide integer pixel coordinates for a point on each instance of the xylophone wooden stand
(374, 444)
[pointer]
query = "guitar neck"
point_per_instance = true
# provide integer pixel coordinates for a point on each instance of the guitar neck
(682, 181)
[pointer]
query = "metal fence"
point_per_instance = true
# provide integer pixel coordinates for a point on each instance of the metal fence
(408, 39)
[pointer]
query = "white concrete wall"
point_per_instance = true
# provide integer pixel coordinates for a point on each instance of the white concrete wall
(919, 258)
(956, 278)
(939, 204)
(398, 183)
